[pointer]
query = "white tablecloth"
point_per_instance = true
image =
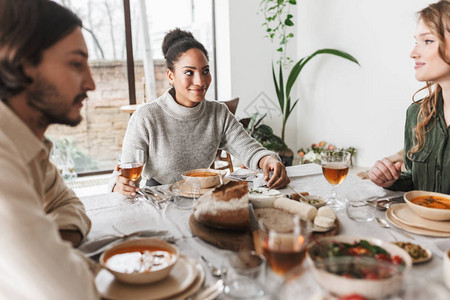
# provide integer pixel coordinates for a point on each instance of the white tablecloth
(112, 213)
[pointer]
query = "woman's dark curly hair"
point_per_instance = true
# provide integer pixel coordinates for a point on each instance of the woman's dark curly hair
(176, 42)
(27, 28)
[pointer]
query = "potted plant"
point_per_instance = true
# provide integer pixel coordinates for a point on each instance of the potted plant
(265, 136)
(278, 24)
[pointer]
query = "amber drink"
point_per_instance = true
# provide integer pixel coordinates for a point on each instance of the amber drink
(132, 170)
(284, 250)
(335, 165)
(335, 173)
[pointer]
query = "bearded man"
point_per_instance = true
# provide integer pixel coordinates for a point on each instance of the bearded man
(44, 78)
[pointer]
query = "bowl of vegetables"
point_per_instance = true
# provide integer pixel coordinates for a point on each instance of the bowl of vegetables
(345, 265)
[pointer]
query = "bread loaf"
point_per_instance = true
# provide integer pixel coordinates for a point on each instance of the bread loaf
(304, 211)
(224, 207)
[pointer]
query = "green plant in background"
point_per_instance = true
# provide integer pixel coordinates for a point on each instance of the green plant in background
(263, 133)
(278, 25)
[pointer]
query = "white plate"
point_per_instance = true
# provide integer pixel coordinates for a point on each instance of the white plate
(408, 217)
(398, 223)
(182, 276)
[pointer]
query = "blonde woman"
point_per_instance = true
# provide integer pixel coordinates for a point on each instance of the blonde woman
(426, 149)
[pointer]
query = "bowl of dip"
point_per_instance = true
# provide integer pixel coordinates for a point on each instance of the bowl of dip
(207, 178)
(429, 205)
(140, 261)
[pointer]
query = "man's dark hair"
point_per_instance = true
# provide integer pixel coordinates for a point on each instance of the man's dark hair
(27, 28)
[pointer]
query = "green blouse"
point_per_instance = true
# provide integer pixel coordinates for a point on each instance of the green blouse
(428, 169)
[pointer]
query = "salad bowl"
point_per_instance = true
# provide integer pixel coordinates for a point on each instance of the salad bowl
(345, 265)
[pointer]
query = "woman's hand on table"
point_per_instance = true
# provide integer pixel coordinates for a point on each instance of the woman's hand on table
(384, 172)
(124, 185)
(279, 177)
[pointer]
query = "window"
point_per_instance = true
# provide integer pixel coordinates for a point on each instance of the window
(93, 144)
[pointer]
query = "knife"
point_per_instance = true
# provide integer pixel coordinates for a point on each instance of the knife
(254, 229)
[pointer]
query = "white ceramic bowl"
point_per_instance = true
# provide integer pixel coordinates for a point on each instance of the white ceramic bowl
(370, 288)
(426, 212)
(141, 277)
(205, 182)
(446, 268)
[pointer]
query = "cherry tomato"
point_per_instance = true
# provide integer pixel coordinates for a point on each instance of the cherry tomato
(382, 256)
(397, 260)
(358, 250)
(352, 297)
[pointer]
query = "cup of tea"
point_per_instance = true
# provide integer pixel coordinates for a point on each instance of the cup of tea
(245, 275)
(285, 247)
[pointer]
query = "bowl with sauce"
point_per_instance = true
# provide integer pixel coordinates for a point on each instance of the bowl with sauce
(206, 177)
(140, 261)
(429, 205)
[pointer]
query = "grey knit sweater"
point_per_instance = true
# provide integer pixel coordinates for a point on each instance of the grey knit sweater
(176, 139)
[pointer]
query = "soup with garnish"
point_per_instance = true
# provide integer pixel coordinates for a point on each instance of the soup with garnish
(202, 174)
(432, 202)
(139, 259)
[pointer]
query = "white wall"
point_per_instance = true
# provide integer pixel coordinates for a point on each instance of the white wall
(341, 103)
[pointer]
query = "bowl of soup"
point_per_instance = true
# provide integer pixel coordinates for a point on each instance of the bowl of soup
(140, 261)
(207, 178)
(429, 205)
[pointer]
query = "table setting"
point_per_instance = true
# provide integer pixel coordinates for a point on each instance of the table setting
(213, 262)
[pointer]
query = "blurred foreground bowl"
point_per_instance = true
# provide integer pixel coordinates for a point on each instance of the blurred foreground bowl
(140, 261)
(326, 270)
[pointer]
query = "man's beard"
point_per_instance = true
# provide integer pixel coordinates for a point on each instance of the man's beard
(45, 97)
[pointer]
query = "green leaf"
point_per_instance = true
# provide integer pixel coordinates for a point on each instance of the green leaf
(291, 35)
(293, 2)
(280, 2)
(275, 82)
(280, 49)
(293, 76)
(289, 16)
(292, 108)
(337, 53)
(288, 22)
(281, 96)
(268, 29)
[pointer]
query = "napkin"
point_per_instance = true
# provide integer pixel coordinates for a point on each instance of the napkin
(93, 247)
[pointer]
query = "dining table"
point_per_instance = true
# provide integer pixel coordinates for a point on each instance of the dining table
(115, 215)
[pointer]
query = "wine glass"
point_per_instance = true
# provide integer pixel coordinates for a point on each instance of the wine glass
(131, 164)
(335, 165)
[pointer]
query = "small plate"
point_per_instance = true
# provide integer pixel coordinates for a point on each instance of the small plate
(420, 260)
(181, 278)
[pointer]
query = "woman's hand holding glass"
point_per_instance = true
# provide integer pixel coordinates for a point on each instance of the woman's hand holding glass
(130, 168)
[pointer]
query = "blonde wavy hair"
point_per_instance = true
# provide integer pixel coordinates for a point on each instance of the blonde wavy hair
(437, 18)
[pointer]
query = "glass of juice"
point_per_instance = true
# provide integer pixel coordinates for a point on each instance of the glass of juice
(335, 165)
(284, 248)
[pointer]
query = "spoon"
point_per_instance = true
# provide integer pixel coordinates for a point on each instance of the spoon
(215, 271)
(385, 224)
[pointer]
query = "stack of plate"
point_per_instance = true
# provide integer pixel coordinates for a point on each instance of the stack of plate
(401, 216)
(184, 280)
